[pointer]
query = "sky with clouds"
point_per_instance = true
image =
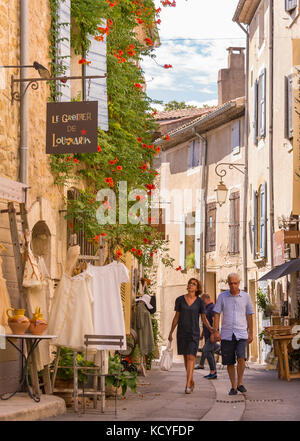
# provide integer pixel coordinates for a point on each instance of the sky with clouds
(194, 37)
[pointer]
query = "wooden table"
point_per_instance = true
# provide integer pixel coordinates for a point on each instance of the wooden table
(24, 382)
(281, 343)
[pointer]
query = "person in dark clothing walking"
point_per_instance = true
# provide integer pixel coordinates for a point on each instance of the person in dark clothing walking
(209, 348)
(188, 309)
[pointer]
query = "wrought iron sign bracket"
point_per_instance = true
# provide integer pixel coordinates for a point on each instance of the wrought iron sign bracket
(33, 83)
(230, 165)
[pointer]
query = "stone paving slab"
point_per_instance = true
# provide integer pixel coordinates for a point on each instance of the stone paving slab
(22, 408)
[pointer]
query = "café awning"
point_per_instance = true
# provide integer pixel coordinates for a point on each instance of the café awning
(282, 270)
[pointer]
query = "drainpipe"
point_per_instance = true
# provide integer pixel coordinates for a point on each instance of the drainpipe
(203, 211)
(271, 156)
(23, 170)
(246, 176)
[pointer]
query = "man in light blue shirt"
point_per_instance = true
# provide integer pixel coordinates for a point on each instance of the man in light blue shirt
(237, 330)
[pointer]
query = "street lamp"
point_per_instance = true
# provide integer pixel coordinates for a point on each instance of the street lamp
(221, 189)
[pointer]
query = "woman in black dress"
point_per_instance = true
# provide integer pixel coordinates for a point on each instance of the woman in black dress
(188, 308)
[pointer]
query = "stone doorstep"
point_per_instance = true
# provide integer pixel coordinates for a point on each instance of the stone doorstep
(22, 408)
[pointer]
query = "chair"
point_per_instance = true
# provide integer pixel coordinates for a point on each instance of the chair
(97, 370)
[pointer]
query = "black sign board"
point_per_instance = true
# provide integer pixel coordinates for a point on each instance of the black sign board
(72, 127)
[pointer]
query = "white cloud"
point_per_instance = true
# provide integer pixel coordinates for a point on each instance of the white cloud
(195, 62)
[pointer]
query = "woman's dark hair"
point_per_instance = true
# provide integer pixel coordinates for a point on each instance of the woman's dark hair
(199, 286)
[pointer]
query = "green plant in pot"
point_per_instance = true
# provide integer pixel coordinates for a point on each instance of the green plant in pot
(118, 376)
(67, 359)
(263, 303)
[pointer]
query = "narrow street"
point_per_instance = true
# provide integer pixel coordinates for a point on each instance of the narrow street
(160, 397)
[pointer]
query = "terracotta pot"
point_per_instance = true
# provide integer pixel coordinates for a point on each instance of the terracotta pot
(17, 322)
(38, 324)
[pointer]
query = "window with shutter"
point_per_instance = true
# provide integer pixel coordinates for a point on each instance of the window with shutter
(263, 220)
(262, 104)
(75, 227)
(290, 5)
(289, 129)
(96, 89)
(255, 122)
(193, 154)
(160, 222)
(234, 223)
(255, 225)
(64, 48)
(211, 226)
(235, 137)
(197, 239)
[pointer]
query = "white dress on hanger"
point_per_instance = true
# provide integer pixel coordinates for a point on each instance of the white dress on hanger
(71, 313)
(107, 308)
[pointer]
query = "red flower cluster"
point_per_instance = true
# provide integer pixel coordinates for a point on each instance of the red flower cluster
(99, 148)
(130, 50)
(148, 41)
(178, 268)
(138, 252)
(83, 61)
(138, 86)
(118, 254)
(167, 137)
(113, 162)
(168, 66)
(107, 29)
(168, 3)
(111, 4)
(119, 56)
(109, 181)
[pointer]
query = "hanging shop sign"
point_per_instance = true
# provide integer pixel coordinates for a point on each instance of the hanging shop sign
(72, 127)
(296, 123)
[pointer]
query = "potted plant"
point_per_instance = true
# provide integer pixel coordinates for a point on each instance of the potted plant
(263, 303)
(65, 375)
(120, 375)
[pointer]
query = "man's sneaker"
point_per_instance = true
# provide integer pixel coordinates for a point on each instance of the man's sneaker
(232, 391)
(242, 389)
(211, 376)
(199, 367)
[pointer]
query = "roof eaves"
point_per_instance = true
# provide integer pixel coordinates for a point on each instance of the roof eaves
(239, 102)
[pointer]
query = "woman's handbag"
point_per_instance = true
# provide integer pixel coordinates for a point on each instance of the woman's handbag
(166, 358)
(214, 337)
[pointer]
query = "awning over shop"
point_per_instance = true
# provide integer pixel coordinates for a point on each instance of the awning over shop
(282, 270)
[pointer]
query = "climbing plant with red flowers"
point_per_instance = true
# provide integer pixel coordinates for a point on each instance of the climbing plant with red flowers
(125, 152)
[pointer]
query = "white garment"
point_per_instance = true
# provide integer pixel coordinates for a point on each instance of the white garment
(71, 313)
(108, 312)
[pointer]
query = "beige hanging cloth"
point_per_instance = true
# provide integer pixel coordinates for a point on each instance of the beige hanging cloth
(32, 273)
(4, 302)
(36, 281)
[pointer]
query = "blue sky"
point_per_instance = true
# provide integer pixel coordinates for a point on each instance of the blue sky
(194, 37)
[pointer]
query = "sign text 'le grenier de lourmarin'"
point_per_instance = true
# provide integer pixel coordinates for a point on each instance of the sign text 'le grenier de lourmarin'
(72, 127)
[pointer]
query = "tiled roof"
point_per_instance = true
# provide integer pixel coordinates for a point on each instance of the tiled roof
(182, 113)
(235, 103)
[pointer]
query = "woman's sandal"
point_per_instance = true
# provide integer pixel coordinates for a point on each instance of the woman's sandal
(188, 390)
(193, 386)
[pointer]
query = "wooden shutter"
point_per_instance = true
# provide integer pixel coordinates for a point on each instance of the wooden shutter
(290, 5)
(96, 89)
(289, 128)
(263, 220)
(64, 48)
(211, 227)
(190, 155)
(262, 104)
(182, 242)
(235, 136)
(255, 122)
(197, 239)
(255, 225)
(195, 153)
(234, 222)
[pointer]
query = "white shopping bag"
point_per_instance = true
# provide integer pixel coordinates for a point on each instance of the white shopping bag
(166, 358)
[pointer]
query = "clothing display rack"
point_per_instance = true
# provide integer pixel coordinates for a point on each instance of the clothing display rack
(15, 218)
